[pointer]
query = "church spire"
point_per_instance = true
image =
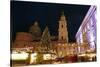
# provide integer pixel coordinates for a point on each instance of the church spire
(36, 23)
(62, 13)
(62, 16)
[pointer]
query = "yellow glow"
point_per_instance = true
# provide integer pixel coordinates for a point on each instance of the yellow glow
(91, 55)
(19, 56)
(33, 58)
(47, 56)
(82, 55)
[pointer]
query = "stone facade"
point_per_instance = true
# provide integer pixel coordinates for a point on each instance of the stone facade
(86, 35)
(60, 45)
(63, 33)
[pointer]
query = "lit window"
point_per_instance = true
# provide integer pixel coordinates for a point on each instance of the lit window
(88, 26)
(91, 22)
(92, 45)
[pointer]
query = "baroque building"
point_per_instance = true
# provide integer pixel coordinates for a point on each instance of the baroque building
(45, 43)
(86, 35)
(42, 46)
(63, 33)
(35, 31)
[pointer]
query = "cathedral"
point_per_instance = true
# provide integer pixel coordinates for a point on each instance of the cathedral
(35, 41)
(47, 47)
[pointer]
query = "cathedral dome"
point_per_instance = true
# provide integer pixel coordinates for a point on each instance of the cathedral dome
(35, 31)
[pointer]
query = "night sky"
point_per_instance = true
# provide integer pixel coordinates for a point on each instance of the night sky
(24, 14)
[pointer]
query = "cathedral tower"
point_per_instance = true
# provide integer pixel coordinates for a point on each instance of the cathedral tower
(63, 33)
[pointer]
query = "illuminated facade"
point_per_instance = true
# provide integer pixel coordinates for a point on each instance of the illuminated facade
(63, 47)
(23, 42)
(63, 33)
(86, 35)
(50, 46)
(60, 43)
(36, 46)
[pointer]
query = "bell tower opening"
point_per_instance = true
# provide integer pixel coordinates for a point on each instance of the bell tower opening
(62, 26)
(62, 37)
